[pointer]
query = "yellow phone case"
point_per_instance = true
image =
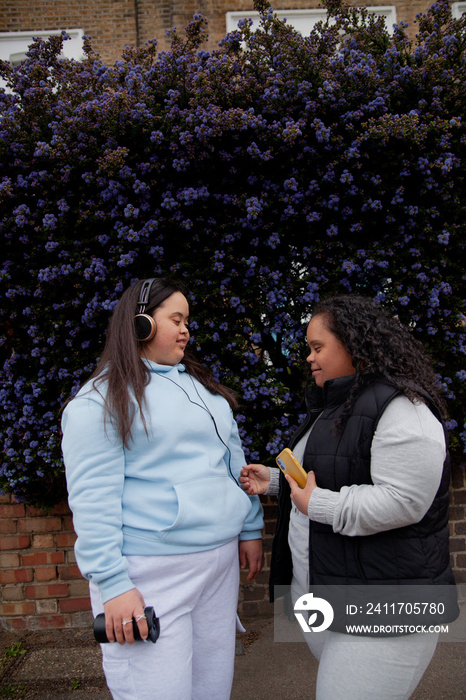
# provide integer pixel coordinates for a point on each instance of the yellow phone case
(290, 465)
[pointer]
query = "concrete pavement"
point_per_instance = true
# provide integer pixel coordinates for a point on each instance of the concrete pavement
(66, 665)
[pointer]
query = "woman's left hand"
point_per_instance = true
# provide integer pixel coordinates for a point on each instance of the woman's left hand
(299, 496)
(250, 553)
(119, 614)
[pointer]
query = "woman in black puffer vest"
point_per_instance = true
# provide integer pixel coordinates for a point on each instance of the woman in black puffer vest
(369, 531)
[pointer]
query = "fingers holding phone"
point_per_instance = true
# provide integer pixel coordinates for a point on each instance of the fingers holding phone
(291, 467)
(300, 496)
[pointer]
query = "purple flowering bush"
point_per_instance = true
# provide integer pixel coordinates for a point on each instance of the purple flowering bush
(266, 174)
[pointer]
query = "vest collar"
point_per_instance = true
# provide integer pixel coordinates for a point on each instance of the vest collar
(333, 393)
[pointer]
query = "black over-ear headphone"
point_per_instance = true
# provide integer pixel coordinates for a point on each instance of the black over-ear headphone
(144, 325)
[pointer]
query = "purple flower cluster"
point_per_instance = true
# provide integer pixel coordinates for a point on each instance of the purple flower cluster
(267, 173)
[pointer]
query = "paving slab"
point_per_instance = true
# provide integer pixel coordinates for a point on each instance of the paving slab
(66, 665)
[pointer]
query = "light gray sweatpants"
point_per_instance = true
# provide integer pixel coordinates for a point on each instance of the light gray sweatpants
(358, 668)
(195, 597)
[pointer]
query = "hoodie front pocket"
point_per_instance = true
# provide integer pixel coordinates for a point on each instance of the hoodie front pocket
(209, 510)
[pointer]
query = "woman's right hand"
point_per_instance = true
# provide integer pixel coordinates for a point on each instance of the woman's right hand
(255, 479)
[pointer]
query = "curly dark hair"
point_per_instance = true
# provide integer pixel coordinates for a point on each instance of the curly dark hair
(380, 348)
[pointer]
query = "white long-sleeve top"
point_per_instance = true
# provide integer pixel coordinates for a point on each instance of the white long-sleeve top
(407, 456)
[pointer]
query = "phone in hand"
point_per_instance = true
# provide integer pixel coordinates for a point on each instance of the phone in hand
(290, 465)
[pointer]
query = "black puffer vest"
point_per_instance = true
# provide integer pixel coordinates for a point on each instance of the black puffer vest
(415, 554)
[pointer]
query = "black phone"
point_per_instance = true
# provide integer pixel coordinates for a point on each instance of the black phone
(153, 624)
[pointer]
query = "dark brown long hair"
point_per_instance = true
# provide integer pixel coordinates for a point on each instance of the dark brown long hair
(121, 367)
(380, 348)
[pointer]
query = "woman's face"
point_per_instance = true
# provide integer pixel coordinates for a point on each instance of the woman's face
(169, 342)
(328, 357)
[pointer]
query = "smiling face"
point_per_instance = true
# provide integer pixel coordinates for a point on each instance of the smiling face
(168, 345)
(328, 357)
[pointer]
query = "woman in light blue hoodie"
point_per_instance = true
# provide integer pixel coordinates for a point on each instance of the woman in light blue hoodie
(153, 458)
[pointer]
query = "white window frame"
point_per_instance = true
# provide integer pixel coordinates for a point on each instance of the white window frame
(304, 20)
(14, 45)
(458, 9)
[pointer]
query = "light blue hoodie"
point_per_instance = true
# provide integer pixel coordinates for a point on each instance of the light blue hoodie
(170, 492)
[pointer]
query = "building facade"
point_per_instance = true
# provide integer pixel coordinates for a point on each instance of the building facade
(114, 24)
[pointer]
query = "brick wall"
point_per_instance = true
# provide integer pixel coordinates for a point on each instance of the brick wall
(458, 524)
(158, 15)
(254, 597)
(40, 583)
(41, 587)
(110, 23)
(113, 24)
